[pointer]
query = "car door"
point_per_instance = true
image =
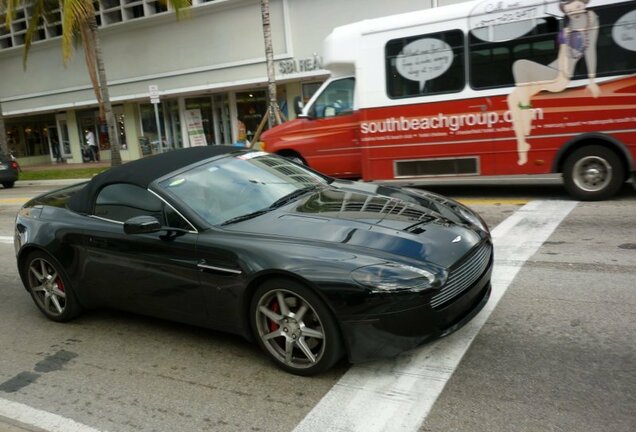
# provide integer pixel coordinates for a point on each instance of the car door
(222, 261)
(154, 274)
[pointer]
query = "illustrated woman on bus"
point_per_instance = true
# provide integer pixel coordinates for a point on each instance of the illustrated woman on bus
(576, 40)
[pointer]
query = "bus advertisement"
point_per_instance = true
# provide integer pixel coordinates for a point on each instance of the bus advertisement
(481, 88)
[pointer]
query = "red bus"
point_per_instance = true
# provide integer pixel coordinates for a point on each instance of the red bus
(482, 88)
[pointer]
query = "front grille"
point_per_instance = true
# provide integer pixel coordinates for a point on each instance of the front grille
(464, 276)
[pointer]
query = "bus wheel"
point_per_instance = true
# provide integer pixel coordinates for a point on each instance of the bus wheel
(593, 173)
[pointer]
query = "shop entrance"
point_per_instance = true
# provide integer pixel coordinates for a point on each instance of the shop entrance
(251, 106)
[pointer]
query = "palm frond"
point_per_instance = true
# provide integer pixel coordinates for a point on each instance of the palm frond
(8, 8)
(38, 7)
(75, 14)
(181, 7)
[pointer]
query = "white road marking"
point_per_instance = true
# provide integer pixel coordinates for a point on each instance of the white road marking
(40, 419)
(396, 395)
(6, 239)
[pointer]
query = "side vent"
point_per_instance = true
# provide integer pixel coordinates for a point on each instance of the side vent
(436, 167)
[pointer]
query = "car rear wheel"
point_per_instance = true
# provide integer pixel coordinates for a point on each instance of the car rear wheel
(295, 328)
(8, 184)
(593, 173)
(50, 288)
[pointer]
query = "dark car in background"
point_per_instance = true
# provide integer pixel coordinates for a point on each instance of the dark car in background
(8, 171)
(254, 244)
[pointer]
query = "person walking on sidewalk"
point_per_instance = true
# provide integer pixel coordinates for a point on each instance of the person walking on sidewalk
(92, 145)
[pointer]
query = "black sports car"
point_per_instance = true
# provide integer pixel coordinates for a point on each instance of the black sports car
(254, 244)
(8, 171)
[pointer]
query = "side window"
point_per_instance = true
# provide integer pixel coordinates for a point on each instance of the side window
(120, 202)
(174, 219)
(335, 100)
(616, 45)
(490, 63)
(425, 64)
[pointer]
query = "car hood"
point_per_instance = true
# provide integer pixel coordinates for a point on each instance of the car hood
(349, 216)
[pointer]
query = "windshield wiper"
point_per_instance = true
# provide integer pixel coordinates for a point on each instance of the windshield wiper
(246, 216)
(292, 196)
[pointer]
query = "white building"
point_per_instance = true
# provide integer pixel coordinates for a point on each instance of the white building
(212, 62)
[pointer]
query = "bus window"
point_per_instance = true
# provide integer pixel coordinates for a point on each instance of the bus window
(612, 58)
(425, 64)
(335, 100)
(491, 62)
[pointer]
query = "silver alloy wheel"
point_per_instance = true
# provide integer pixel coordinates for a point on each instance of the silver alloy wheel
(47, 286)
(592, 173)
(290, 329)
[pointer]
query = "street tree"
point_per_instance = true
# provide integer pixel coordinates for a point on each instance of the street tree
(79, 25)
(4, 148)
(273, 110)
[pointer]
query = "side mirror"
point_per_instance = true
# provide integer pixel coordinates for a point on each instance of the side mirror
(330, 111)
(142, 225)
(298, 105)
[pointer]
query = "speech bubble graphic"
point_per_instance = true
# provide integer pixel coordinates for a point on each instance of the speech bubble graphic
(424, 59)
(624, 31)
(504, 20)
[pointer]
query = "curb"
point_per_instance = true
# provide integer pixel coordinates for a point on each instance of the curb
(9, 425)
(55, 182)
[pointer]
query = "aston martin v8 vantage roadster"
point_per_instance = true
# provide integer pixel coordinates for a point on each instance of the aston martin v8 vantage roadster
(310, 267)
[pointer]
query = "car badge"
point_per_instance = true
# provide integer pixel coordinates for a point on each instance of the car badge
(457, 239)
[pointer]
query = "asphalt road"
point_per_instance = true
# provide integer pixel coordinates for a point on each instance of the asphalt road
(556, 353)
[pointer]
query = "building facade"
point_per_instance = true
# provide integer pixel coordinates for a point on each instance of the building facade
(207, 71)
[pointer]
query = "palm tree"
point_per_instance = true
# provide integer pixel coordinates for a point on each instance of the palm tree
(273, 110)
(4, 149)
(78, 22)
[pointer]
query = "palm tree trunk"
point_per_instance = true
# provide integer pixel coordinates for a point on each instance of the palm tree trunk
(274, 110)
(4, 148)
(113, 135)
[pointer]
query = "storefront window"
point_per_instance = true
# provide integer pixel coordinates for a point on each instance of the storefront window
(173, 124)
(251, 107)
(88, 120)
(204, 107)
(28, 136)
(149, 141)
(118, 112)
(222, 128)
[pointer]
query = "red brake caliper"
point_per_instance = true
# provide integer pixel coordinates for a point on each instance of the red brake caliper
(60, 284)
(275, 307)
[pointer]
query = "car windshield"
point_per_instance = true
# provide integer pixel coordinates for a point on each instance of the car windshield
(236, 188)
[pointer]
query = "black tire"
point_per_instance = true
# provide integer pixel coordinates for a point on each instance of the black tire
(593, 173)
(8, 184)
(303, 343)
(50, 287)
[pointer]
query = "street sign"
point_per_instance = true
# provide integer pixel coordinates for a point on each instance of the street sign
(153, 91)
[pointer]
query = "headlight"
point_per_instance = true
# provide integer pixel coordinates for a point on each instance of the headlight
(392, 277)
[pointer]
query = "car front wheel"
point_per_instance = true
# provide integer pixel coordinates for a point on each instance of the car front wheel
(593, 173)
(8, 184)
(295, 328)
(50, 288)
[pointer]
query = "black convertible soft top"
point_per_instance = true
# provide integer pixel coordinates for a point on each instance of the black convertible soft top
(142, 172)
